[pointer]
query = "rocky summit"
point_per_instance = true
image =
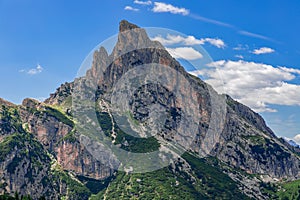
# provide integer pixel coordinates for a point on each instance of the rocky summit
(222, 149)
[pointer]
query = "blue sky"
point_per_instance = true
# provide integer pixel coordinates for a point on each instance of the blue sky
(43, 43)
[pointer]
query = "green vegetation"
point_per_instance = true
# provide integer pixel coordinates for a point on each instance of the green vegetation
(70, 137)
(207, 181)
(289, 191)
(128, 142)
(160, 184)
(135, 144)
(10, 120)
(282, 191)
(15, 197)
(255, 139)
(211, 180)
(18, 197)
(268, 147)
(105, 122)
(95, 186)
(28, 148)
(67, 103)
(76, 190)
(60, 116)
(8, 144)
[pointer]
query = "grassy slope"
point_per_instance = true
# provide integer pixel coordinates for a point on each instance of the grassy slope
(209, 183)
(289, 191)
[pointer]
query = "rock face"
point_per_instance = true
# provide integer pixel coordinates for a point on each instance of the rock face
(56, 132)
(25, 165)
(42, 154)
(249, 144)
(245, 142)
(61, 94)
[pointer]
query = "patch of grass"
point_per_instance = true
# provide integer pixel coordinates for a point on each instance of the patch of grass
(214, 182)
(76, 190)
(60, 116)
(255, 139)
(208, 182)
(128, 142)
(105, 122)
(289, 191)
(160, 184)
(10, 120)
(136, 144)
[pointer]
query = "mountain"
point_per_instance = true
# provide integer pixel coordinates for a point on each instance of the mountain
(208, 146)
(291, 142)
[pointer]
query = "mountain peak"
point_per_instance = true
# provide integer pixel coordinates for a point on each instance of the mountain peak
(126, 26)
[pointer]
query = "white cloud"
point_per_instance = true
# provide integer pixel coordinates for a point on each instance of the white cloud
(187, 53)
(36, 70)
(239, 56)
(297, 138)
(263, 50)
(142, 2)
(130, 8)
(291, 70)
(254, 35)
(176, 39)
(197, 72)
(215, 42)
(254, 84)
(211, 21)
(163, 7)
(189, 40)
(241, 47)
(33, 71)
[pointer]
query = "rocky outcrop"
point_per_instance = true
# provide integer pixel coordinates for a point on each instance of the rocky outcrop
(245, 146)
(26, 168)
(25, 165)
(61, 95)
(56, 132)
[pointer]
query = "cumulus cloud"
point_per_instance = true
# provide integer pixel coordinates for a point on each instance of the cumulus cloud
(187, 53)
(215, 42)
(291, 70)
(33, 71)
(263, 50)
(36, 70)
(163, 7)
(142, 2)
(254, 84)
(189, 40)
(130, 8)
(297, 138)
